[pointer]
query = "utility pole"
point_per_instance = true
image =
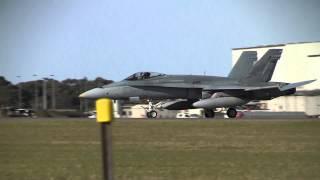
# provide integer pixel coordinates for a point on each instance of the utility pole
(44, 94)
(86, 108)
(81, 100)
(19, 92)
(35, 93)
(53, 94)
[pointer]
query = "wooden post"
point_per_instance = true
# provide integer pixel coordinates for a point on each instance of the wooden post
(104, 118)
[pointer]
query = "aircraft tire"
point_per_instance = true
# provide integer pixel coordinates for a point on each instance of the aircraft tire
(209, 113)
(232, 113)
(153, 114)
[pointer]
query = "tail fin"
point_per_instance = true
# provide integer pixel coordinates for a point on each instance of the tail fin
(263, 69)
(244, 64)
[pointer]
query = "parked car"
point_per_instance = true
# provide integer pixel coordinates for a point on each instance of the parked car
(92, 114)
(19, 112)
(187, 115)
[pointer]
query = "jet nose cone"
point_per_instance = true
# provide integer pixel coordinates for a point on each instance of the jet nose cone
(93, 94)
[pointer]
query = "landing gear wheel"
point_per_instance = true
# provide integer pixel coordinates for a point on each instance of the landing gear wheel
(232, 113)
(152, 114)
(209, 113)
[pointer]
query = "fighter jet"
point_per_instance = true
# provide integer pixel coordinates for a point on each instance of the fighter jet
(247, 81)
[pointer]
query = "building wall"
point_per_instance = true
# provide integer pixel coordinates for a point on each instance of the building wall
(308, 104)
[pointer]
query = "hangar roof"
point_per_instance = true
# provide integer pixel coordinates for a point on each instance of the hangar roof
(273, 45)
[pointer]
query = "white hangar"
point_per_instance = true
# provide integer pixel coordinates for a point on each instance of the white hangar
(299, 62)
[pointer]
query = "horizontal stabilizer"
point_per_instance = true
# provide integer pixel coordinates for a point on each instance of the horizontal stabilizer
(294, 85)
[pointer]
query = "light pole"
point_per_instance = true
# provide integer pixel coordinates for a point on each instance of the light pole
(83, 102)
(44, 94)
(53, 94)
(35, 92)
(86, 103)
(19, 93)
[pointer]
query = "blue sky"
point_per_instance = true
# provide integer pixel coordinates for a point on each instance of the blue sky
(115, 38)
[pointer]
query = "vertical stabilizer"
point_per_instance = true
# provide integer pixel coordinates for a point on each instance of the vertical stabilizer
(242, 67)
(263, 69)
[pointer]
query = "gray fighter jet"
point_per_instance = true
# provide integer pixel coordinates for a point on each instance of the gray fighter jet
(247, 81)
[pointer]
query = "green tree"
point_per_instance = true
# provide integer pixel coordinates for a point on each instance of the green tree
(8, 93)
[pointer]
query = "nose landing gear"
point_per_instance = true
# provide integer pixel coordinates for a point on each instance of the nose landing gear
(152, 114)
(151, 110)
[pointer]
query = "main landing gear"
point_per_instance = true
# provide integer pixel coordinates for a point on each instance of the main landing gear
(151, 110)
(231, 113)
(208, 113)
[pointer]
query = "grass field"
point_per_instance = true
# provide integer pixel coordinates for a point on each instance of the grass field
(161, 149)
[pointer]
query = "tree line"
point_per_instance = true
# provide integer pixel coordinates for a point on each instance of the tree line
(64, 93)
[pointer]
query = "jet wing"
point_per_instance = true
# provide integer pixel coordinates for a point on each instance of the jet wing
(294, 85)
(281, 87)
(239, 88)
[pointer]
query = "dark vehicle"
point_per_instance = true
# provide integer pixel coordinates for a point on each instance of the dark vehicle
(19, 112)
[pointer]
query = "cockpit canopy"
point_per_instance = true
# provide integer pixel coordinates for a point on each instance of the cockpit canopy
(143, 75)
